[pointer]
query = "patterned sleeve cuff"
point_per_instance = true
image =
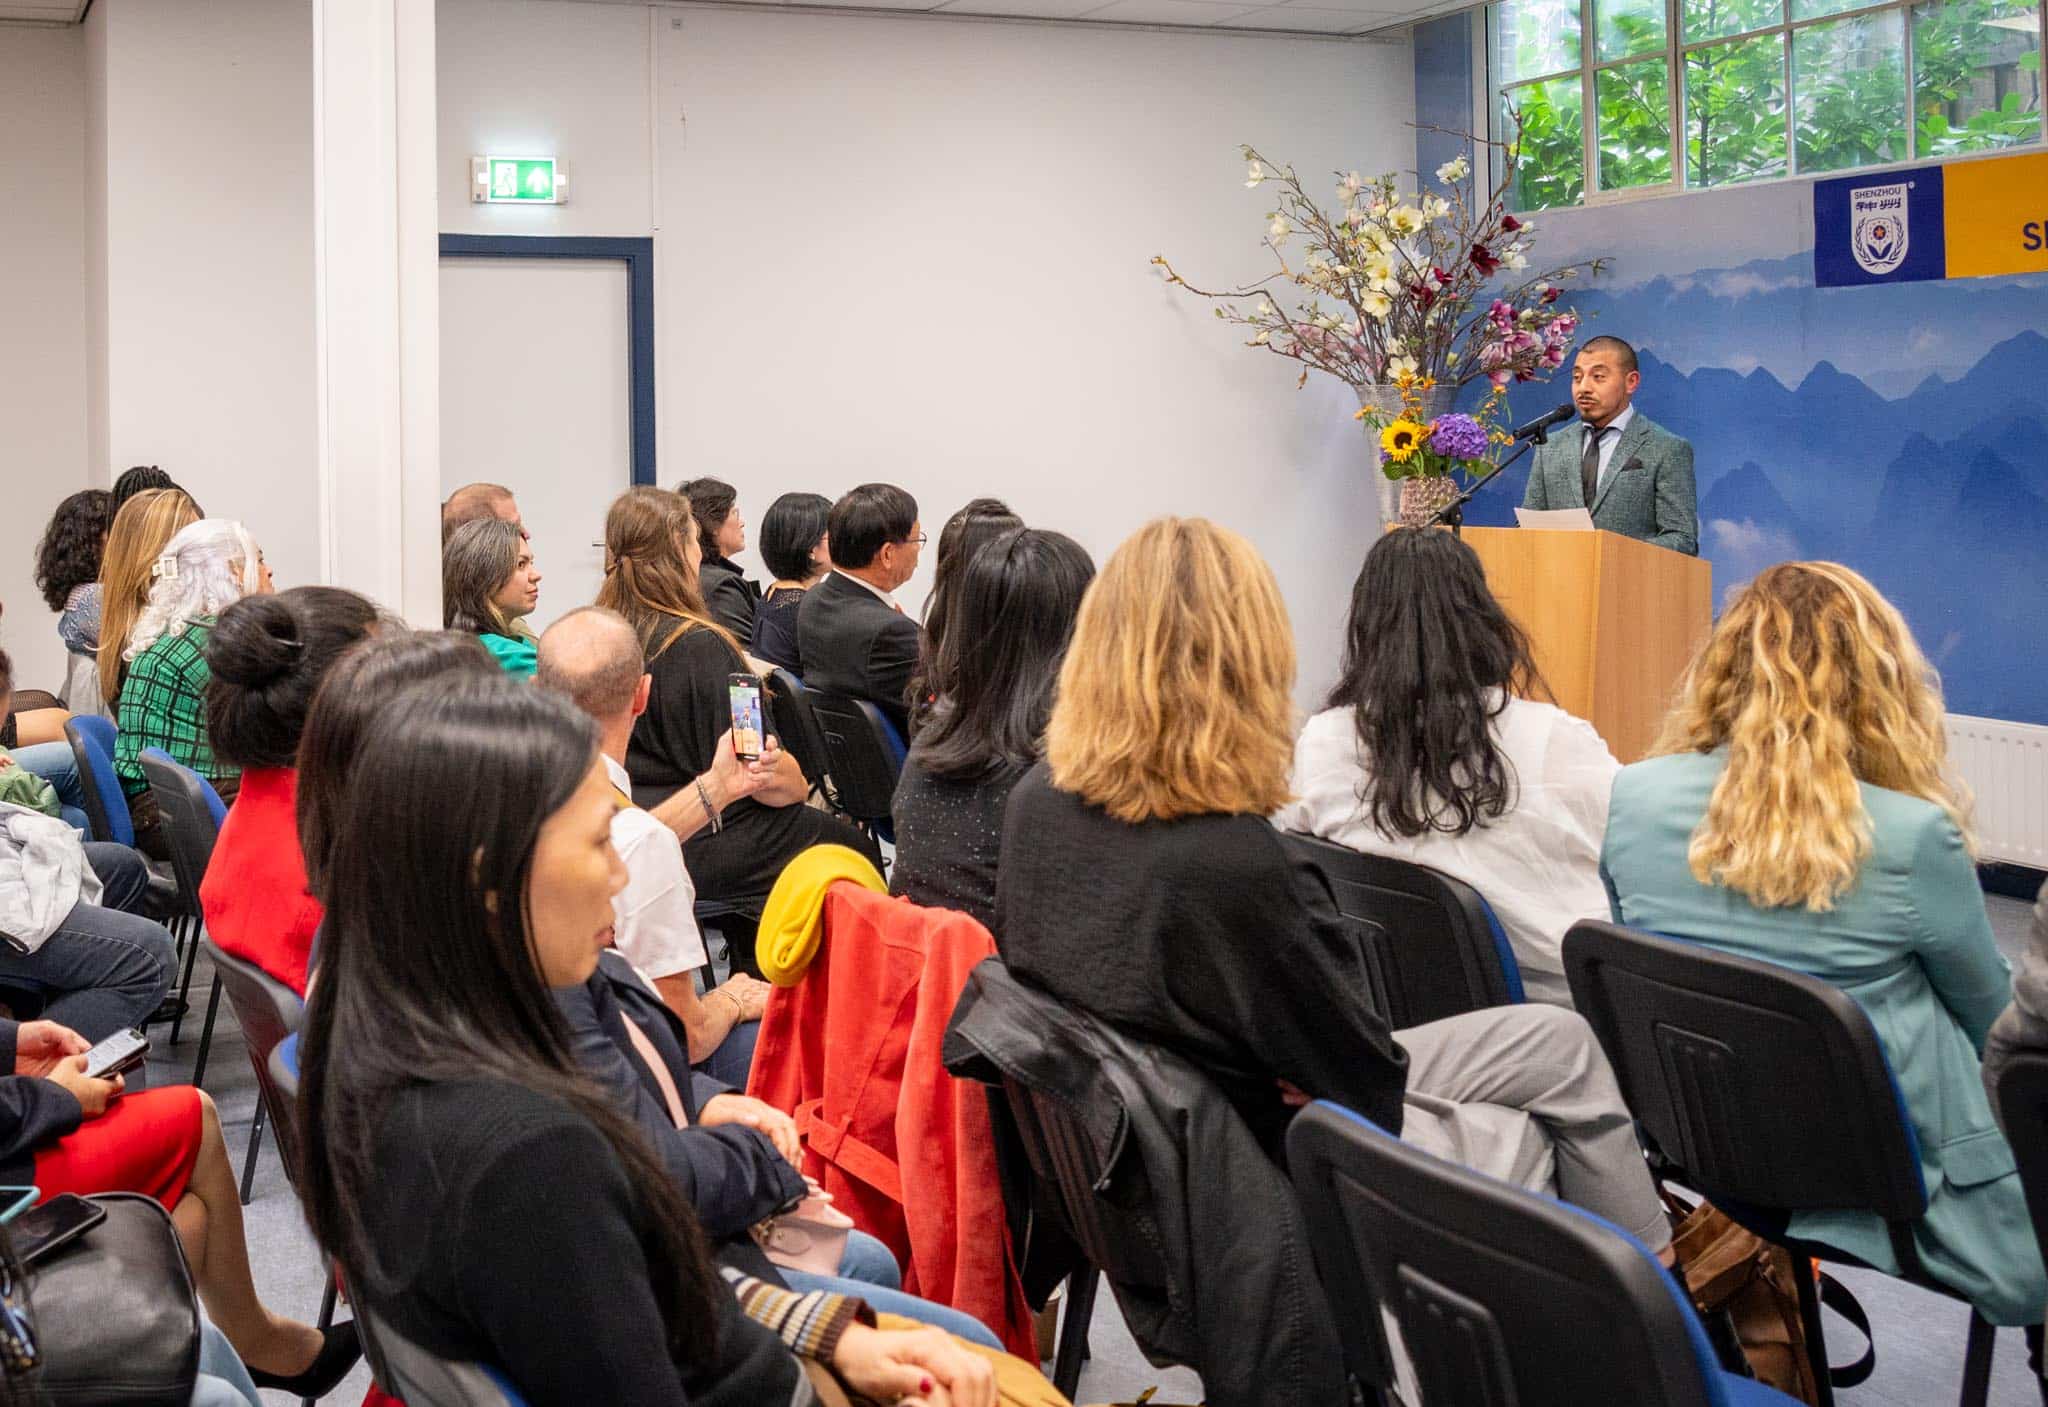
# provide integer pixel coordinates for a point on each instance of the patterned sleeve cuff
(809, 1324)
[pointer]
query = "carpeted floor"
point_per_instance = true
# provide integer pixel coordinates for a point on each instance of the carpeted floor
(1920, 1336)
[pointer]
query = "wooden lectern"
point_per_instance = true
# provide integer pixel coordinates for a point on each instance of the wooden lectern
(1613, 621)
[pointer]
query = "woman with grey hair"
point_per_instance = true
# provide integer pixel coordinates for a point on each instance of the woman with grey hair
(489, 585)
(207, 567)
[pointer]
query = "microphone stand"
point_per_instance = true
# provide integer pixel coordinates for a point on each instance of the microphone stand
(1453, 512)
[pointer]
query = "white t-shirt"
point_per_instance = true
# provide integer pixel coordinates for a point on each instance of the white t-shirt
(654, 917)
(1538, 866)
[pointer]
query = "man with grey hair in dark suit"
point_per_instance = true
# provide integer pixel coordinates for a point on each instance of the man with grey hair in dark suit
(1632, 474)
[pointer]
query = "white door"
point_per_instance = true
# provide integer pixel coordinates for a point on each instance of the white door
(536, 395)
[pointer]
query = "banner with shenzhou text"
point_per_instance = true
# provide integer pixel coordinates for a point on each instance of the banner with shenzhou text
(1964, 219)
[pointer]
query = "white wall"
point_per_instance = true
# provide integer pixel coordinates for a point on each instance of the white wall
(903, 249)
(43, 295)
(202, 209)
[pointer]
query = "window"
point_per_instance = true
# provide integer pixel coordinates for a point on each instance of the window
(1618, 96)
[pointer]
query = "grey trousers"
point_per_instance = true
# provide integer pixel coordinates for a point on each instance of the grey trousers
(1525, 1094)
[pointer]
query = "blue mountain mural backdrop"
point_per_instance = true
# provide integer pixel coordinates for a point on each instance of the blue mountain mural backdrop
(1901, 429)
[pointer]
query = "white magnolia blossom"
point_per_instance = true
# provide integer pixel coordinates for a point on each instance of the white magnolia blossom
(1262, 339)
(1326, 322)
(1435, 207)
(1377, 303)
(1453, 171)
(1264, 310)
(1403, 365)
(1254, 175)
(1279, 229)
(1405, 220)
(1515, 259)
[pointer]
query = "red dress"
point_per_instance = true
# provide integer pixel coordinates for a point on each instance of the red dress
(903, 1147)
(146, 1142)
(254, 893)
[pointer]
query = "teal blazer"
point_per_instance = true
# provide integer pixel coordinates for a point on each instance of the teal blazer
(517, 655)
(1912, 944)
(1648, 491)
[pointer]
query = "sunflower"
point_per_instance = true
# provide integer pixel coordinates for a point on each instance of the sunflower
(1400, 440)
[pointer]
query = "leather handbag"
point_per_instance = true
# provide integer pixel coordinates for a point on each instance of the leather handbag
(116, 1319)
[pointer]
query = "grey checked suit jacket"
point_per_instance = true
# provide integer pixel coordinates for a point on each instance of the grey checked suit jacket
(1648, 492)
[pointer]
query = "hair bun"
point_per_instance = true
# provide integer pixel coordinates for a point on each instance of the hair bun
(255, 642)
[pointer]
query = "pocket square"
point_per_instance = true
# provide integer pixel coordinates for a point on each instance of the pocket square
(1634, 462)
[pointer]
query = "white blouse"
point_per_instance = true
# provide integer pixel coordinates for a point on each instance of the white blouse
(1538, 866)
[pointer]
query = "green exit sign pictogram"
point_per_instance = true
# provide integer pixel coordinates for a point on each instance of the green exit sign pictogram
(517, 180)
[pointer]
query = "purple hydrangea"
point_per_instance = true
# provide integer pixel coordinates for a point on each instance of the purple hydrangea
(1457, 437)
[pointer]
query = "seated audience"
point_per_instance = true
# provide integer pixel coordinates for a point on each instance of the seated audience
(140, 479)
(2022, 1026)
(266, 657)
(489, 585)
(651, 546)
(1428, 752)
(1012, 615)
(480, 1194)
(855, 640)
(1140, 881)
(731, 599)
(68, 575)
(205, 569)
(474, 502)
(142, 526)
(41, 775)
(1796, 810)
(794, 547)
(592, 657)
(63, 1131)
(980, 522)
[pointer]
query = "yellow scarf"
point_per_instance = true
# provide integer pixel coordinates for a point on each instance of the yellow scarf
(788, 937)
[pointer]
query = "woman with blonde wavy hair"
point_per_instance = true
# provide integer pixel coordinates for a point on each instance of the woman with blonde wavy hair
(1798, 811)
(1141, 881)
(136, 538)
(651, 552)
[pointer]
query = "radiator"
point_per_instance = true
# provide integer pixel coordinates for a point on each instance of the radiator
(2006, 766)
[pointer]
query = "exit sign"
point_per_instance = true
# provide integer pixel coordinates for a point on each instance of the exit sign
(517, 180)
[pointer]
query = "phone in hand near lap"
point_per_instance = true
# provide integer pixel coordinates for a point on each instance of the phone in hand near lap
(749, 716)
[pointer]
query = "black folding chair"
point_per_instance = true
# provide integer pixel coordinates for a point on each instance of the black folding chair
(862, 752)
(192, 814)
(2022, 1097)
(789, 712)
(282, 1067)
(1493, 1288)
(267, 1011)
(1766, 1091)
(1432, 946)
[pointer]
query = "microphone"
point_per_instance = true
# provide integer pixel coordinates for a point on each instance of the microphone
(1535, 429)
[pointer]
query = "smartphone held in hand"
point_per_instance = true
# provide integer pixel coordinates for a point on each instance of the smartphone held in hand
(749, 716)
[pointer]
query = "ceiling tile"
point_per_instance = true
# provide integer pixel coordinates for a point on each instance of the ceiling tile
(1034, 9)
(1191, 12)
(62, 11)
(1305, 19)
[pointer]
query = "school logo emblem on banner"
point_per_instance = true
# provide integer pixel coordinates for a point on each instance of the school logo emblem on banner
(1878, 236)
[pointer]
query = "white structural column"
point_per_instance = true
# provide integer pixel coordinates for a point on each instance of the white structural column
(377, 266)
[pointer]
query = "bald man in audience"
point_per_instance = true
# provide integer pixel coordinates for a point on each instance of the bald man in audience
(473, 501)
(592, 657)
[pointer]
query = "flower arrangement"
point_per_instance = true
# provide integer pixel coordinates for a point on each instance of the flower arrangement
(1410, 289)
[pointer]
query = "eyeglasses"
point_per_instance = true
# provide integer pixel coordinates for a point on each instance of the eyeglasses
(920, 540)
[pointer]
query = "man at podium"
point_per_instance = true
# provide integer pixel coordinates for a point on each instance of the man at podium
(1632, 474)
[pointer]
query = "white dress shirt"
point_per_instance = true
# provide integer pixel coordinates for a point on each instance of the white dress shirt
(1610, 436)
(1538, 866)
(654, 917)
(887, 599)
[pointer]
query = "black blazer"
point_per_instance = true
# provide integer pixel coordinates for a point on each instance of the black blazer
(729, 596)
(855, 646)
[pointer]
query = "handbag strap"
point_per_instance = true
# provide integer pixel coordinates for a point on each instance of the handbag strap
(1842, 1300)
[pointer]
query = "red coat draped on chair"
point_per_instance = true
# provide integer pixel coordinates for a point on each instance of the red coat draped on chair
(902, 1146)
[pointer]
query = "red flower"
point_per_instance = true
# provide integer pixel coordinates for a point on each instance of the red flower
(1483, 260)
(1510, 223)
(1550, 294)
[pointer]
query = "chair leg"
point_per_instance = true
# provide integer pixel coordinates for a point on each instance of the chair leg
(1809, 1314)
(1977, 1361)
(1073, 1340)
(206, 1033)
(185, 982)
(255, 1147)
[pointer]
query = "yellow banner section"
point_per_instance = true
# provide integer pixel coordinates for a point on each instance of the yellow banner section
(1996, 212)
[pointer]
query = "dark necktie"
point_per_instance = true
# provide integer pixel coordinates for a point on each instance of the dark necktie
(1589, 464)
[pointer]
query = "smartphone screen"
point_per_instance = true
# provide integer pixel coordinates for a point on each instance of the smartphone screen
(749, 731)
(118, 1053)
(41, 1230)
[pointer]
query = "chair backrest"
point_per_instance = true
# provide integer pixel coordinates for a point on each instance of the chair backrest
(106, 807)
(789, 709)
(2022, 1097)
(1764, 1086)
(1432, 946)
(192, 812)
(1498, 1293)
(267, 1011)
(862, 752)
(81, 692)
(419, 1379)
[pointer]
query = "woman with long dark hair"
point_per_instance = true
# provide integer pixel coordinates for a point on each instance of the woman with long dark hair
(993, 679)
(1430, 750)
(489, 586)
(979, 522)
(483, 1197)
(68, 571)
(732, 600)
